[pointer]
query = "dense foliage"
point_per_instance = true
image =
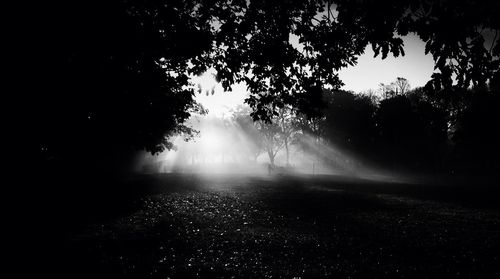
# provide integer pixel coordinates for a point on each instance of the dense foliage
(414, 131)
(116, 73)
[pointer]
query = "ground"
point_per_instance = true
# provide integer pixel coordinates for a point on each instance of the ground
(186, 226)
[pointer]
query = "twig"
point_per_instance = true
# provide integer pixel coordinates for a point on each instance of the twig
(493, 42)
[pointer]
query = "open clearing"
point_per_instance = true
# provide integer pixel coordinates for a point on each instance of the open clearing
(183, 226)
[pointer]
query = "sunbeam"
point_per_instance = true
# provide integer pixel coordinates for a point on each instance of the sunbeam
(223, 146)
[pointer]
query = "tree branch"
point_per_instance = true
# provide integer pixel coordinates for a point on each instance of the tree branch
(493, 42)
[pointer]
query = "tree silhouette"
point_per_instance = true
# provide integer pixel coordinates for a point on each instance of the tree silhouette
(411, 131)
(114, 78)
(285, 121)
(454, 33)
(402, 85)
(117, 73)
(272, 139)
(476, 137)
(255, 143)
(349, 120)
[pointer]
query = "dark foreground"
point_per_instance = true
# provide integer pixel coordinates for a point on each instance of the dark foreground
(183, 226)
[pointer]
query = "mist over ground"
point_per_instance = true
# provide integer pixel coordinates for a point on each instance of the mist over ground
(224, 146)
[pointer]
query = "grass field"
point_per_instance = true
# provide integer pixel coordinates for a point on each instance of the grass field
(187, 226)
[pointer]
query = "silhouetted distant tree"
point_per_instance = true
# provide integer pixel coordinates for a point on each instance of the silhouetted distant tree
(398, 87)
(411, 131)
(396, 128)
(349, 120)
(310, 113)
(272, 138)
(255, 144)
(372, 95)
(387, 90)
(287, 125)
(402, 85)
(476, 135)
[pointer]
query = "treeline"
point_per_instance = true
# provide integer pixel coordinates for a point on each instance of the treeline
(116, 74)
(446, 131)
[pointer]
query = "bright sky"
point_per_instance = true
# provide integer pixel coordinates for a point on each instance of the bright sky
(367, 74)
(415, 66)
(221, 103)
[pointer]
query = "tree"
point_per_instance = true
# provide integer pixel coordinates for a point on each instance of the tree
(398, 87)
(410, 131)
(118, 72)
(454, 32)
(475, 135)
(272, 138)
(349, 120)
(114, 78)
(402, 85)
(254, 140)
(286, 123)
(265, 136)
(387, 90)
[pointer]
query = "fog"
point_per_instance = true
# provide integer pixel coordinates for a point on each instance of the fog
(223, 146)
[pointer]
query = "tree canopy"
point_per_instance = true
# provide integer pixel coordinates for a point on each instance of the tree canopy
(118, 71)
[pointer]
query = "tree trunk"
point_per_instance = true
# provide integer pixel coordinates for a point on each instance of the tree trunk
(287, 153)
(271, 157)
